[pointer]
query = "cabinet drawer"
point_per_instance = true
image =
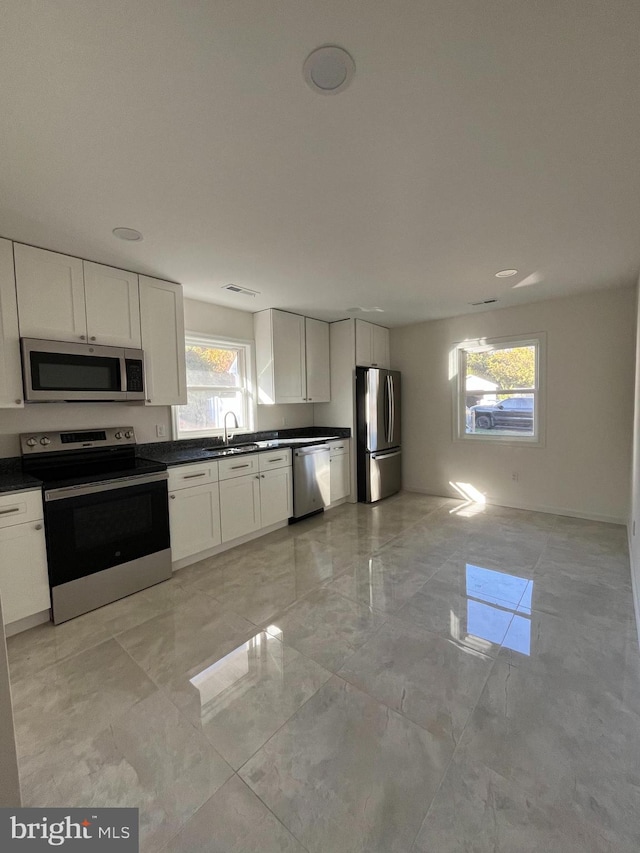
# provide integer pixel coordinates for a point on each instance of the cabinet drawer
(192, 475)
(338, 447)
(18, 507)
(275, 459)
(238, 466)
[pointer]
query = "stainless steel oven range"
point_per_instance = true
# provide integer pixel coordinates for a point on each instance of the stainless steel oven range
(106, 516)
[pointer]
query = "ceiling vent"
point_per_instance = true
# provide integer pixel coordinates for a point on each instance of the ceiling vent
(235, 288)
(484, 302)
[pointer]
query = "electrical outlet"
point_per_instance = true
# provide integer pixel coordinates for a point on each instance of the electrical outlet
(161, 431)
(515, 476)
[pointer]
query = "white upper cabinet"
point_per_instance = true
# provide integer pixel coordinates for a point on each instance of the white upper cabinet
(372, 345)
(50, 290)
(292, 368)
(317, 361)
(10, 375)
(65, 299)
(162, 320)
(112, 306)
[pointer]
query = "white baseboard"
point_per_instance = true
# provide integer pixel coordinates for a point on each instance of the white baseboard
(28, 622)
(552, 510)
(635, 585)
(226, 546)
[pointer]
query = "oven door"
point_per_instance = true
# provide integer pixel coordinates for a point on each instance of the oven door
(105, 541)
(53, 371)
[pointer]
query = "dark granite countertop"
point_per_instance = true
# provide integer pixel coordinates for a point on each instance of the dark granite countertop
(193, 449)
(12, 478)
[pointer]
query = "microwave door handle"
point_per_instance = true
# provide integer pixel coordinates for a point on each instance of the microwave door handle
(123, 373)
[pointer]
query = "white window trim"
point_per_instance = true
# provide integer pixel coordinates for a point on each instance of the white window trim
(539, 340)
(198, 338)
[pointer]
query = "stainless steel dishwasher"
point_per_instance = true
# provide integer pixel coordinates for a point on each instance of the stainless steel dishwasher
(311, 479)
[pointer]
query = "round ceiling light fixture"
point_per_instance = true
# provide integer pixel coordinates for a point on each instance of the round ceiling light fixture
(127, 234)
(328, 69)
(506, 273)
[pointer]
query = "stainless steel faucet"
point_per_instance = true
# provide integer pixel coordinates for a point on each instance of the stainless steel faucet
(226, 435)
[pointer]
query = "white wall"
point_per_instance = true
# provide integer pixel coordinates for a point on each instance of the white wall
(634, 516)
(583, 469)
(229, 323)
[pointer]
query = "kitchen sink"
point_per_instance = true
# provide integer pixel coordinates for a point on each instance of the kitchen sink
(229, 451)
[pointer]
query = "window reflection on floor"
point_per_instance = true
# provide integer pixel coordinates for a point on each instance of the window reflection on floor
(498, 603)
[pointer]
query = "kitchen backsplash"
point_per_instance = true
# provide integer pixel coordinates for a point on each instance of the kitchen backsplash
(39, 417)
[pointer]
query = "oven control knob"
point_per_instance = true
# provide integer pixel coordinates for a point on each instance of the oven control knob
(128, 434)
(118, 434)
(31, 442)
(44, 441)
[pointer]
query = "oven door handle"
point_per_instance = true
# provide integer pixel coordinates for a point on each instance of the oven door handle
(104, 486)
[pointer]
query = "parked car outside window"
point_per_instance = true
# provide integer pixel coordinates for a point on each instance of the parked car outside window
(514, 412)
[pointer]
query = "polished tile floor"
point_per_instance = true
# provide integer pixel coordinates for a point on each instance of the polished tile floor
(422, 675)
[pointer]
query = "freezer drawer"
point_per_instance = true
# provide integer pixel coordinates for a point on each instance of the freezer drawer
(382, 475)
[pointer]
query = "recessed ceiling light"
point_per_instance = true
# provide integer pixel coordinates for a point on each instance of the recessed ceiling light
(127, 234)
(328, 69)
(506, 273)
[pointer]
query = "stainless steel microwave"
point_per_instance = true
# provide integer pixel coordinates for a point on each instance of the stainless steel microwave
(55, 371)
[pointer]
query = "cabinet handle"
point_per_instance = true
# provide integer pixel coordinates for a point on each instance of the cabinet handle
(38, 527)
(235, 467)
(262, 475)
(173, 497)
(193, 476)
(276, 459)
(7, 511)
(257, 476)
(148, 399)
(339, 448)
(18, 402)
(92, 338)
(374, 364)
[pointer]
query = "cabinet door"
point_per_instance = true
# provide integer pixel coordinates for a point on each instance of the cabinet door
(276, 500)
(317, 360)
(364, 343)
(380, 347)
(10, 370)
(239, 506)
(50, 290)
(162, 322)
(289, 357)
(340, 477)
(113, 306)
(24, 581)
(194, 517)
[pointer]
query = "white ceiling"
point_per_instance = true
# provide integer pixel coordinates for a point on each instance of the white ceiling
(476, 135)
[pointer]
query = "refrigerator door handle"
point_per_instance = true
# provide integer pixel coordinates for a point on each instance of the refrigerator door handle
(392, 396)
(389, 409)
(377, 456)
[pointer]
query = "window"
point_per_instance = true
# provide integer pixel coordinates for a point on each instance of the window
(217, 383)
(498, 390)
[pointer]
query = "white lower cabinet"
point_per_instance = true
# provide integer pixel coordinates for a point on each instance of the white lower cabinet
(340, 482)
(24, 581)
(240, 506)
(194, 515)
(276, 503)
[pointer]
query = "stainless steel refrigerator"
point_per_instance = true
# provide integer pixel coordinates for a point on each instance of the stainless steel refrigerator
(378, 433)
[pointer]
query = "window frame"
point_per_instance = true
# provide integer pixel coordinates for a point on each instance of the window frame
(539, 341)
(248, 390)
